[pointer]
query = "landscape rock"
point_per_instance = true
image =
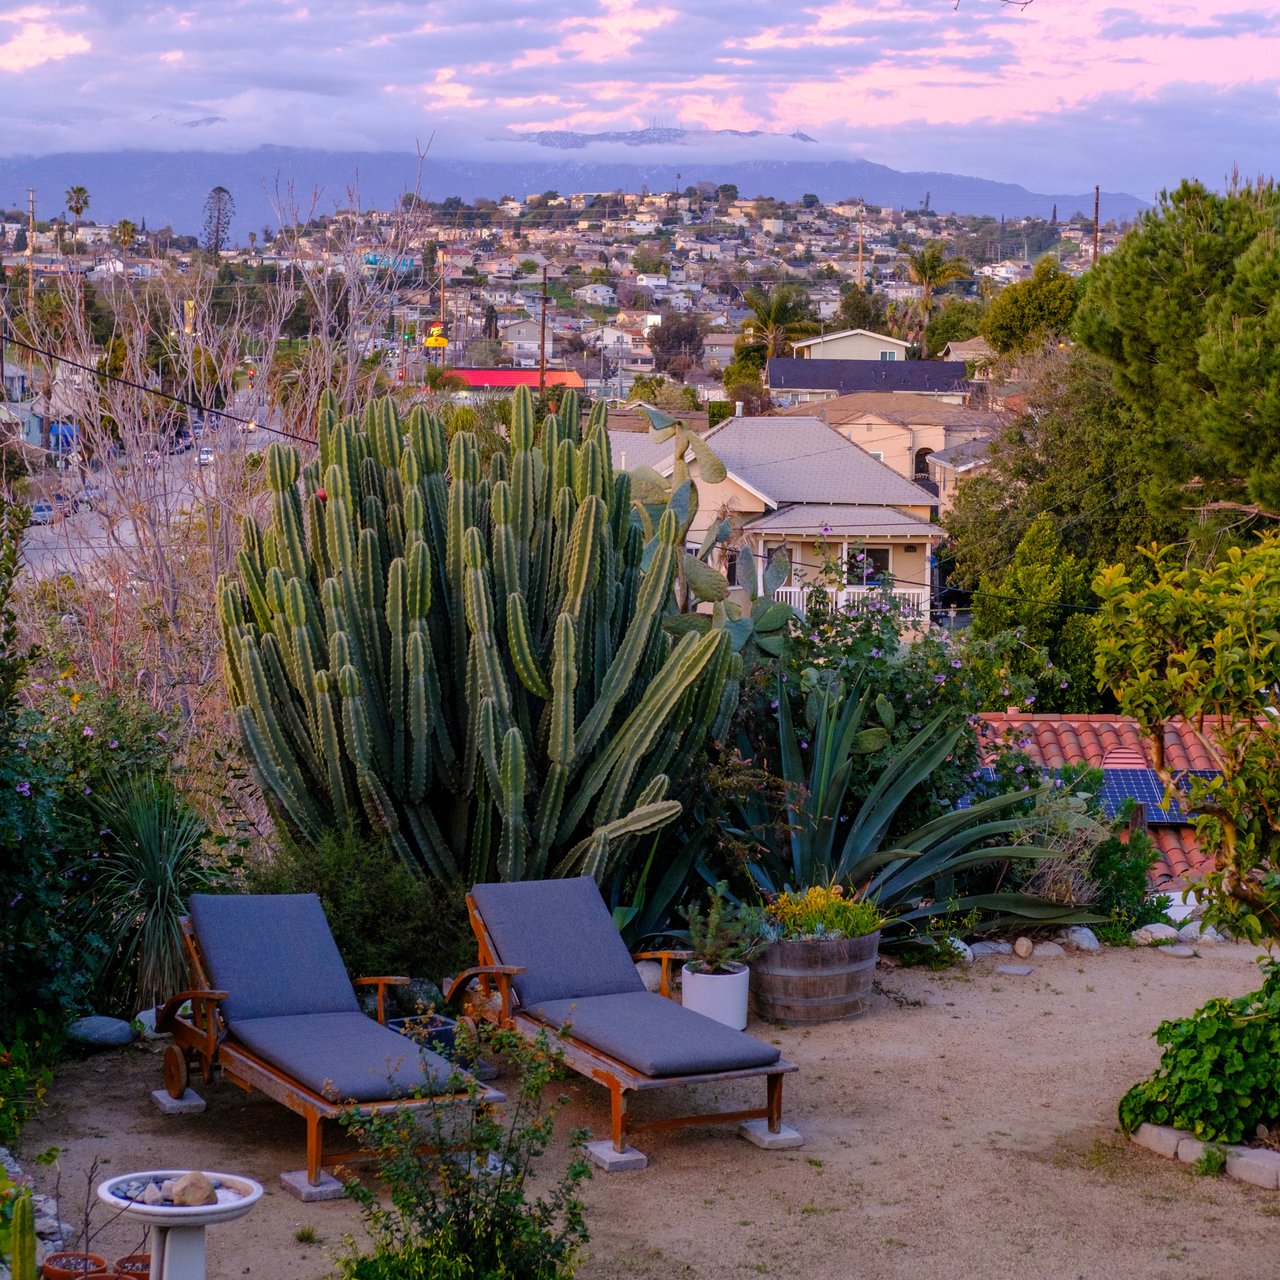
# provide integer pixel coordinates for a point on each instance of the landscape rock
(962, 949)
(147, 1020)
(650, 972)
(980, 950)
(1160, 1138)
(1047, 951)
(1023, 947)
(151, 1194)
(1197, 933)
(193, 1188)
(100, 1032)
(1177, 952)
(1014, 970)
(1080, 938)
(1149, 933)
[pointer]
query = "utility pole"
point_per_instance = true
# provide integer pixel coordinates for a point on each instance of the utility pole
(31, 253)
(542, 340)
(861, 207)
(1097, 200)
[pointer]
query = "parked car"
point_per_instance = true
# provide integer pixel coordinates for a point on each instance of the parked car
(205, 457)
(90, 497)
(42, 512)
(247, 425)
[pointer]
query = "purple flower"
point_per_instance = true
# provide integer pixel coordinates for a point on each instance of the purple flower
(955, 662)
(1017, 768)
(860, 557)
(875, 653)
(804, 746)
(88, 790)
(113, 744)
(773, 706)
(826, 528)
(1062, 684)
(1029, 699)
(23, 788)
(17, 898)
(939, 679)
(88, 731)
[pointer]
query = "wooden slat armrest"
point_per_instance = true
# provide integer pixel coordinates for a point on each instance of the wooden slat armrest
(166, 1016)
(666, 957)
(382, 984)
(500, 973)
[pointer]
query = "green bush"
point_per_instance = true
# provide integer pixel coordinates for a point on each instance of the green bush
(386, 917)
(25, 1076)
(1217, 1077)
(459, 1208)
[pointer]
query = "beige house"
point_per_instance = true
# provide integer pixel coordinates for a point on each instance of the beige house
(851, 344)
(900, 428)
(948, 467)
(798, 485)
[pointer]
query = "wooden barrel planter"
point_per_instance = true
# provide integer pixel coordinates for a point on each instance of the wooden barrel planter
(815, 980)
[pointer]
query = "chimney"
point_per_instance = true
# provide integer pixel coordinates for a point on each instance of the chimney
(737, 408)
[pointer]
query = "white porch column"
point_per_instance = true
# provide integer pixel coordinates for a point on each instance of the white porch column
(759, 557)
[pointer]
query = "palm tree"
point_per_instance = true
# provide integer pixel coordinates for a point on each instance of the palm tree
(778, 317)
(77, 203)
(930, 267)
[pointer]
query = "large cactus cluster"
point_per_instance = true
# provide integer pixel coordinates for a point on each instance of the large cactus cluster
(467, 653)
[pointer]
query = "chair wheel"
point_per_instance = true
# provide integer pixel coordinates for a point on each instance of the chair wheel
(175, 1071)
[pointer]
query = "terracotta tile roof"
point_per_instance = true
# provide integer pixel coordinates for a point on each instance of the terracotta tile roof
(1058, 740)
(1115, 742)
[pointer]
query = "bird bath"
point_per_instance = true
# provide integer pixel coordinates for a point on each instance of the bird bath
(177, 1243)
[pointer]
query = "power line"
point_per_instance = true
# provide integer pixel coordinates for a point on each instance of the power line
(154, 391)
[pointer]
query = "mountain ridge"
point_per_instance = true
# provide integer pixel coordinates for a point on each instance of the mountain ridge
(169, 187)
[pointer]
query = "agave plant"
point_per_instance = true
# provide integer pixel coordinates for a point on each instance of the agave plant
(152, 859)
(825, 841)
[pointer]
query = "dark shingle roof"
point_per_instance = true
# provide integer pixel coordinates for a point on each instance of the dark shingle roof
(843, 376)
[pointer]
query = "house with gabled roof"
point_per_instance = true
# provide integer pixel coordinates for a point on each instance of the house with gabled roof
(851, 344)
(791, 381)
(801, 487)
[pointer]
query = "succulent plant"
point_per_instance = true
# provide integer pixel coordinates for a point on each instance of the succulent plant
(466, 653)
(22, 1240)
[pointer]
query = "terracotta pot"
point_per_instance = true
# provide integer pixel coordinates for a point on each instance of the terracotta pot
(74, 1266)
(133, 1264)
(815, 979)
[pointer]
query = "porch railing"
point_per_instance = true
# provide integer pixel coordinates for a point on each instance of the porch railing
(913, 600)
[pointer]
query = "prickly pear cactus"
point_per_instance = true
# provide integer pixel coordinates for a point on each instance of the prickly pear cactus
(465, 652)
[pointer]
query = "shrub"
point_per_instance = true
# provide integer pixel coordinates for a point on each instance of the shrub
(821, 912)
(25, 1076)
(385, 917)
(1217, 1076)
(460, 1209)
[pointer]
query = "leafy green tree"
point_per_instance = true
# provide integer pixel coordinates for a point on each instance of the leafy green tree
(779, 316)
(675, 336)
(727, 192)
(1201, 645)
(1043, 596)
(1073, 454)
(219, 209)
(654, 389)
(648, 260)
(930, 268)
(956, 320)
(1160, 309)
(1032, 312)
(861, 309)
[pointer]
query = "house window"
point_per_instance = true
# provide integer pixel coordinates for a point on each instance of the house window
(731, 565)
(888, 355)
(867, 567)
(877, 454)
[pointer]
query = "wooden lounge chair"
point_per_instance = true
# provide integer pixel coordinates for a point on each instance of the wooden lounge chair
(272, 1007)
(551, 960)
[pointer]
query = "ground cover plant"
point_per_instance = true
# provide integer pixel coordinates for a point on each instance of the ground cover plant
(461, 1208)
(1217, 1076)
(466, 654)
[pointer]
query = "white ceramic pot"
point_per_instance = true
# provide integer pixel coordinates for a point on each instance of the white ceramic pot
(722, 996)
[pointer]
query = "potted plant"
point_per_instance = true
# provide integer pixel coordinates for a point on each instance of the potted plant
(820, 960)
(716, 980)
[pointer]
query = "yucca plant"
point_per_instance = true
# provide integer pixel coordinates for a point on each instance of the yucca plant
(827, 841)
(151, 860)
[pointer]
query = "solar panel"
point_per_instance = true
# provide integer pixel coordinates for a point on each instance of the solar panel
(1143, 786)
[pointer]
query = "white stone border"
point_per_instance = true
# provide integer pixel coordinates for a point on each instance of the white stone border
(1256, 1165)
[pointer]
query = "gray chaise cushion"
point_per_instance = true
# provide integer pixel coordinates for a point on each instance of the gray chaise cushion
(561, 932)
(272, 953)
(655, 1035)
(344, 1056)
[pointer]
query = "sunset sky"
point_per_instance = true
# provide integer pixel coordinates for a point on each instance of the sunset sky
(1056, 94)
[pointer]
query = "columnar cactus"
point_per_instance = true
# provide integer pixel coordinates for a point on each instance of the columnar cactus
(467, 654)
(22, 1240)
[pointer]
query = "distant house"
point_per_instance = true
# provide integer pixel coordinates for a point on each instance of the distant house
(903, 429)
(948, 467)
(809, 492)
(597, 295)
(522, 340)
(851, 344)
(791, 381)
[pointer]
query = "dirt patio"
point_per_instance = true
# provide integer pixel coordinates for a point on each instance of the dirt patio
(966, 1127)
